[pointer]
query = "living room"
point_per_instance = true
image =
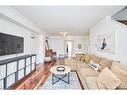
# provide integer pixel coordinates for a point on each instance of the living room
(74, 33)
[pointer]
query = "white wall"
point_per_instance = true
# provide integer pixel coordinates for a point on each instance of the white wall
(13, 29)
(57, 43)
(14, 15)
(123, 43)
(40, 49)
(14, 23)
(105, 26)
(33, 42)
(83, 42)
(30, 45)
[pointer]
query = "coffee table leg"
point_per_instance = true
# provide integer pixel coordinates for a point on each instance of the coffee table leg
(52, 78)
(61, 78)
(68, 78)
(53, 81)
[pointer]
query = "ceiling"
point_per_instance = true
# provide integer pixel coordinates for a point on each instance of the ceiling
(75, 20)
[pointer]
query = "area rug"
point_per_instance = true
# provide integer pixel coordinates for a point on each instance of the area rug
(74, 83)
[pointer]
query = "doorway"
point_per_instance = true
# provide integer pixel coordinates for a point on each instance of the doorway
(68, 48)
(33, 44)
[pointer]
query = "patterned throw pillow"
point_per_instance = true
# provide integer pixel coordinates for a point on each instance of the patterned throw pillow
(83, 58)
(78, 57)
(94, 65)
(87, 58)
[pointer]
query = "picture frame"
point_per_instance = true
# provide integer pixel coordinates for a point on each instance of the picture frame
(79, 46)
(106, 42)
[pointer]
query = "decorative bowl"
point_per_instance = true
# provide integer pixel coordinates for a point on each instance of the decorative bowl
(60, 68)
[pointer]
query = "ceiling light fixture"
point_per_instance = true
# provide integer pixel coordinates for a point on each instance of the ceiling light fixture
(63, 34)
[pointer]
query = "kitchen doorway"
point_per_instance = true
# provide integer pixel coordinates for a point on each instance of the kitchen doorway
(68, 48)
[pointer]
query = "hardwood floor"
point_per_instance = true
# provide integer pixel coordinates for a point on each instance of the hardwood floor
(38, 77)
(35, 79)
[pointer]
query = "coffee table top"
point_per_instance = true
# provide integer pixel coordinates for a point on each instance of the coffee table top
(54, 70)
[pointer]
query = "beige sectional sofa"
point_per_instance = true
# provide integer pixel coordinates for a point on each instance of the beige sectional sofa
(110, 74)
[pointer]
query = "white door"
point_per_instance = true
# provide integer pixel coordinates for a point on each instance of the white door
(33, 44)
(69, 48)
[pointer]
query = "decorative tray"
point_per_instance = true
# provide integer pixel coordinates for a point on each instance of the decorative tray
(60, 68)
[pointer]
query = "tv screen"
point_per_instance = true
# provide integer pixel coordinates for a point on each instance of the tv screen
(10, 44)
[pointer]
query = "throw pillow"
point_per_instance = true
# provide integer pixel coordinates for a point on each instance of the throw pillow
(107, 79)
(94, 65)
(83, 58)
(78, 57)
(105, 63)
(87, 58)
(95, 59)
(120, 70)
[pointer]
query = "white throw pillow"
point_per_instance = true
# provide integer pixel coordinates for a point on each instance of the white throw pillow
(94, 65)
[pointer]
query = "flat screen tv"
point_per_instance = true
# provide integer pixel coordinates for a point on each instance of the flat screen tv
(10, 44)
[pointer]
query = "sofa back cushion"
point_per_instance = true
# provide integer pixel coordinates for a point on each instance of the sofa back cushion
(87, 58)
(78, 57)
(83, 58)
(105, 63)
(107, 80)
(120, 70)
(95, 59)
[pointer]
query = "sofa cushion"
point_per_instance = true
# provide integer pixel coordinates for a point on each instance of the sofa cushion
(105, 63)
(78, 57)
(70, 62)
(83, 65)
(95, 59)
(107, 79)
(67, 61)
(73, 67)
(120, 70)
(120, 65)
(87, 58)
(83, 58)
(91, 82)
(88, 72)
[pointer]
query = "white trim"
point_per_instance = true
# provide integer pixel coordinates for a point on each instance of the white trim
(14, 16)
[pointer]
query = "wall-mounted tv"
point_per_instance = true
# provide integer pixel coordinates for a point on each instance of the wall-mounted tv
(10, 44)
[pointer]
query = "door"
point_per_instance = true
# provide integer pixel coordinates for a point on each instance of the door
(68, 48)
(33, 44)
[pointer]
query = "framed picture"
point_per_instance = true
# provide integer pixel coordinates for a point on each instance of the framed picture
(106, 42)
(79, 46)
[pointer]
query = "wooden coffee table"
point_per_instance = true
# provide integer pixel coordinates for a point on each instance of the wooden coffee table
(60, 75)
